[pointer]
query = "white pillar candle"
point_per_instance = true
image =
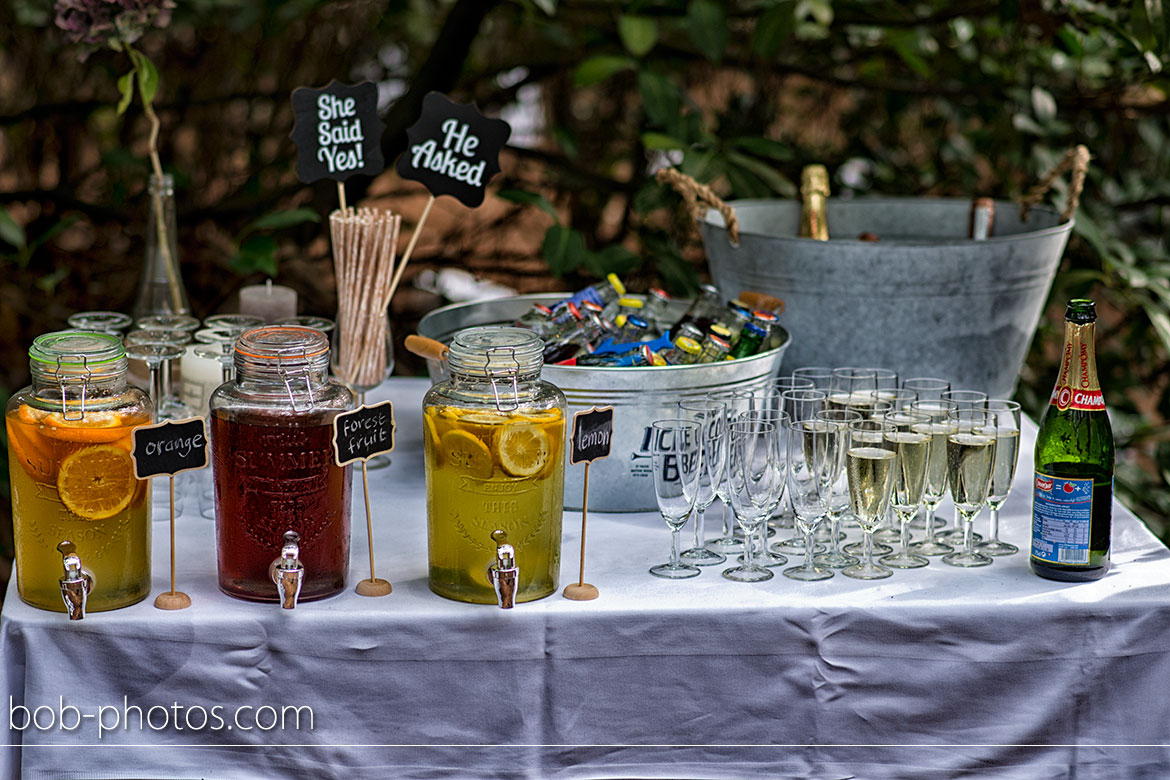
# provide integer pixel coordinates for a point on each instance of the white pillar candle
(270, 301)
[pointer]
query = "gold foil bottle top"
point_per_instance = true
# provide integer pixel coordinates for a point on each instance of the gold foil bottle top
(814, 180)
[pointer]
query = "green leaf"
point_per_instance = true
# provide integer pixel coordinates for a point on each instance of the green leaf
(563, 249)
(661, 141)
(615, 259)
(1161, 322)
(638, 33)
(258, 253)
(764, 147)
(905, 46)
(706, 23)
(765, 173)
(600, 68)
(126, 90)
(48, 283)
(679, 276)
(661, 99)
(11, 232)
(526, 198)
(773, 28)
(147, 76)
(279, 220)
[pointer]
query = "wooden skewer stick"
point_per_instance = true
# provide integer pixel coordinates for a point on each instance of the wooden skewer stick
(422, 220)
(373, 586)
(174, 599)
(582, 590)
(341, 195)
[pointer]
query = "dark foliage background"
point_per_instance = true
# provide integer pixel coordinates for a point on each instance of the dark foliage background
(938, 97)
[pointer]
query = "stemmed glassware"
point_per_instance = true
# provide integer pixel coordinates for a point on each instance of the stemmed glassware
(870, 466)
(737, 402)
(815, 457)
(927, 388)
(101, 321)
(911, 441)
(365, 377)
(850, 387)
(837, 501)
(712, 416)
(158, 361)
(677, 453)
(820, 376)
(775, 400)
(936, 473)
(970, 457)
(965, 399)
(755, 483)
(761, 555)
(1005, 416)
(798, 405)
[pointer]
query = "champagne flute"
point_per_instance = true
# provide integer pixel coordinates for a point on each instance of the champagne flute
(850, 387)
(101, 321)
(837, 502)
(815, 448)
(1006, 419)
(676, 451)
(936, 474)
(820, 376)
(737, 402)
(970, 457)
(911, 441)
(870, 466)
(927, 388)
(899, 398)
(756, 468)
(962, 399)
(712, 416)
(884, 379)
(798, 405)
(761, 555)
(776, 400)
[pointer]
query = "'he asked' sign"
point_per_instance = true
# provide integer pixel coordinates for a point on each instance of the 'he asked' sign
(453, 149)
(337, 131)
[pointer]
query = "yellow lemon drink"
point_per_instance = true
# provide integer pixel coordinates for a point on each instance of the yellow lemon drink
(74, 479)
(490, 470)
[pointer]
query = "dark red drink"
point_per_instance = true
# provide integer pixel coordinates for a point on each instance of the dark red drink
(272, 475)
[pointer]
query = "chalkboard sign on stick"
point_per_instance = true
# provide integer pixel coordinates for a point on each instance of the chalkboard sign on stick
(592, 434)
(453, 149)
(363, 433)
(337, 131)
(169, 447)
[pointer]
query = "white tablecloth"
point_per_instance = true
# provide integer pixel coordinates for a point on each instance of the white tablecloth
(932, 673)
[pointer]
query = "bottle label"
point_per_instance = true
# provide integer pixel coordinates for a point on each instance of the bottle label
(1062, 511)
(1078, 386)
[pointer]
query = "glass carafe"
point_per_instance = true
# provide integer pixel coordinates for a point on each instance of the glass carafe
(71, 473)
(274, 472)
(494, 444)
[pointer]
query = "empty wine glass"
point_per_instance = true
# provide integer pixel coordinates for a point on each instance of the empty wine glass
(870, 464)
(781, 398)
(362, 365)
(677, 453)
(820, 376)
(838, 501)
(927, 388)
(102, 321)
(756, 467)
(761, 555)
(970, 457)
(233, 322)
(1005, 416)
(737, 402)
(884, 378)
(712, 416)
(936, 475)
(814, 460)
(167, 406)
(323, 324)
(911, 441)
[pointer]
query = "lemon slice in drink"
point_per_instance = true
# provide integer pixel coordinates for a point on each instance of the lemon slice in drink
(466, 453)
(483, 418)
(96, 483)
(523, 450)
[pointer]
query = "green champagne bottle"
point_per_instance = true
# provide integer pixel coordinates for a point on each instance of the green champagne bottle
(1072, 498)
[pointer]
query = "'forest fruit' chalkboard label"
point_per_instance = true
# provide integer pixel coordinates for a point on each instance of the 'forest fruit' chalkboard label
(592, 434)
(453, 149)
(169, 447)
(337, 131)
(363, 433)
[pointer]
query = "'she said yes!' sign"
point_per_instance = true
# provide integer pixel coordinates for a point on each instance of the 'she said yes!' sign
(337, 132)
(453, 149)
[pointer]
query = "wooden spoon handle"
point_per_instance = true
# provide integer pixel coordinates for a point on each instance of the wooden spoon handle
(426, 348)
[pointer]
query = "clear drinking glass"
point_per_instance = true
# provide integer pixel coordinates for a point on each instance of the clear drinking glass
(850, 387)
(798, 405)
(815, 455)
(677, 452)
(761, 555)
(737, 402)
(970, 458)
(927, 388)
(820, 376)
(100, 321)
(965, 399)
(870, 464)
(712, 416)
(885, 378)
(838, 499)
(362, 365)
(911, 441)
(167, 405)
(936, 475)
(777, 401)
(755, 483)
(898, 398)
(1006, 419)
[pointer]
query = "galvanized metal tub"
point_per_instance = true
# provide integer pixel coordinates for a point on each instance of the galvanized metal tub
(623, 481)
(923, 300)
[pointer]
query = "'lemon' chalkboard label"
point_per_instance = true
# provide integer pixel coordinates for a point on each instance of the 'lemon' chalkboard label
(363, 433)
(592, 434)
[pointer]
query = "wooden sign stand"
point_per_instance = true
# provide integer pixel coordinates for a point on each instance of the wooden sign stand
(175, 599)
(582, 590)
(360, 435)
(592, 433)
(373, 587)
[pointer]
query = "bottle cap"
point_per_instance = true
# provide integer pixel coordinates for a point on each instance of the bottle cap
(753, 328)
(574, 310)
(637, 322)
(766, 317)
(660, 294)
(596, 308)
(688, 345)
(617, 284)
(720, 332)
(620, 320)
(630, 303)
(720, 342)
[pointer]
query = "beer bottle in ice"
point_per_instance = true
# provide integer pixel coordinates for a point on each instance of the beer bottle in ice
(1072, 497)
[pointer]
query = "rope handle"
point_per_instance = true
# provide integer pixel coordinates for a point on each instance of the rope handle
(1075, 159)
(699, 195)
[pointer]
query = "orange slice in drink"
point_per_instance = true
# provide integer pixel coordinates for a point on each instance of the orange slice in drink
(96, 483)
(467, 453)
(93, 428)
(524, 450)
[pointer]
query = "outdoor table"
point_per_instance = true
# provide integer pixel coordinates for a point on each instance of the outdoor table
(702, 678)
